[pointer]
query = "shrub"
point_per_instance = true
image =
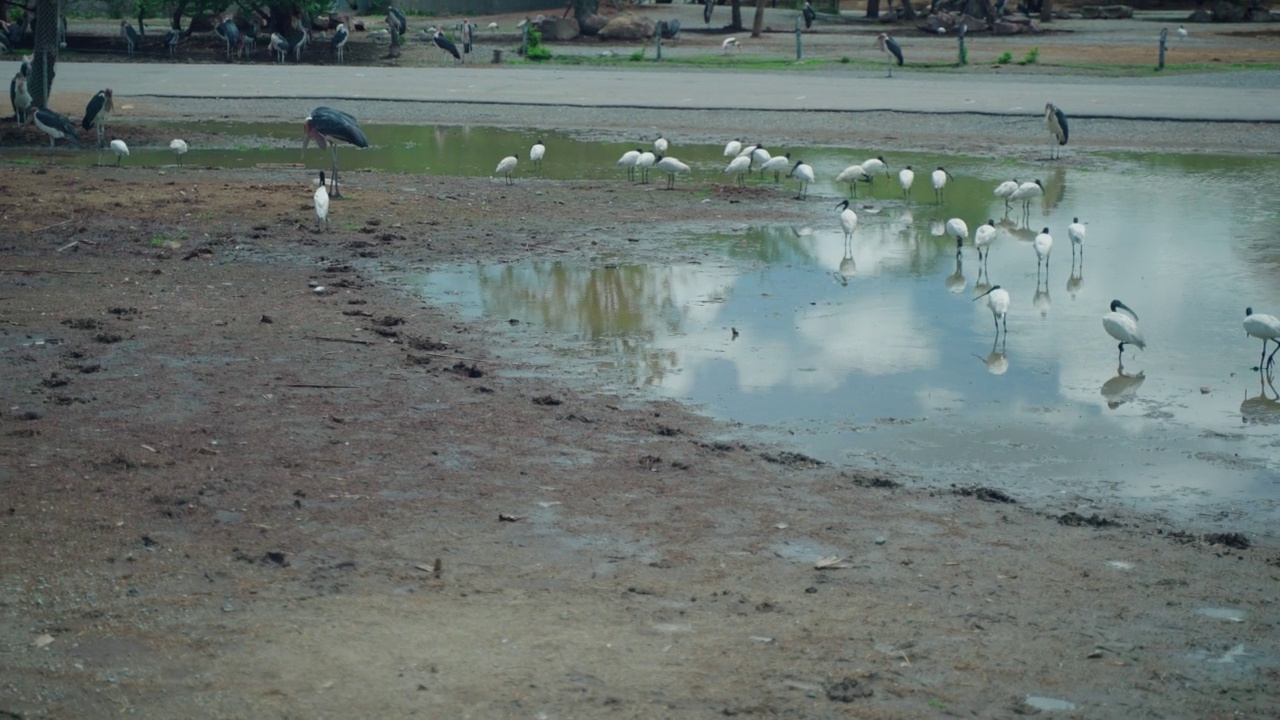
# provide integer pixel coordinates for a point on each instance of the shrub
(1005, 58)
(638, 55)
(1032, 56)
(845, 60)
(538, 53)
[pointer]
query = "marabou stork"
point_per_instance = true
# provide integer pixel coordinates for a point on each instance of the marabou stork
(445, 44)
(56, 126)
(339, 41)
(279, 46)
(707, 7)
(328, 126)
(397, 25)
(809, 15)
(20, 96)
(301, 38)
(891, 50)
(251, 36)
(171, 39)
(228, 31)
(95, 113)
(131, 39)
(1056, 120)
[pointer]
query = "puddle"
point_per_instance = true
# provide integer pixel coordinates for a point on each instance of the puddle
(1228, 614)
(824, 354)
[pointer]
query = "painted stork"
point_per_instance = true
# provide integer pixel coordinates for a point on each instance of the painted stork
(228, 31)
(468, 30)
(20, 96)
(328, 126)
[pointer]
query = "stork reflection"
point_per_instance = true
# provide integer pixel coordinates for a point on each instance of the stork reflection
(956, 282)
(1263, 408)
(1122, 388)
(997, 361)
(1076, 280)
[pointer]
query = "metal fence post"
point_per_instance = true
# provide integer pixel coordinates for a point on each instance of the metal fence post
(799, 48)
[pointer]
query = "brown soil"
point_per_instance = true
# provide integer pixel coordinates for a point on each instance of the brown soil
(231, 493)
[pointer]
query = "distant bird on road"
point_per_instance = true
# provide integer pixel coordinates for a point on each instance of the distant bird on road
(891, 50)
(328, 126)
(1056, 120)
(506, 166)
(179, 148)
(56, 126)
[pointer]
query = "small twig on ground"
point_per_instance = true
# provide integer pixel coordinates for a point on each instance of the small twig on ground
(322, 387)
(337, 340)
(48, 227)
(32, 271)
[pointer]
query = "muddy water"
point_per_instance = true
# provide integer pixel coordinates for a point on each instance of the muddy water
(877, 355)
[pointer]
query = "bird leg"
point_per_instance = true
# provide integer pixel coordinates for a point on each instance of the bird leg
(333, 151)
(1271, 360)
(1121, 358)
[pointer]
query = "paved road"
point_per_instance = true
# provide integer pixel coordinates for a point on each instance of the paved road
(683, 89)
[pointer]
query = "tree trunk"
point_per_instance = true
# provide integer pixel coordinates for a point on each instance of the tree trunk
(175, 20)
(758, 24)
(908, 13)
(40, 84)
(735, 21)
(873, 9)
(1046, 11)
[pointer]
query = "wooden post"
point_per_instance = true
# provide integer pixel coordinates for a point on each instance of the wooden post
(799, 48)
(1164, 39)
(964, 54)
(657, 40)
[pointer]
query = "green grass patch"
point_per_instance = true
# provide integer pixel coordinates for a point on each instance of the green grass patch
(1032, 57)
(1005, 58)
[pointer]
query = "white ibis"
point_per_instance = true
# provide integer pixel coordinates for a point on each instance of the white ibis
(739, 166)
(131, 39)
(179, 148)
(493, 27)
(983, 237)
(940, 178)
(56, 126)
(998, 302)
(1182, 32)
(1266, 327)
(672, 167)
(1043, 245)
(1122, 324)
(1077, 232)
(445, 44)
(848, 220)
(120, 149)
(1056, 120)
(906, 176)
(660, 146)
(95, 113)
(1005, 189)
(328, 126)
(644, 162)
(891, 50)
(803, 173)
(873, 167)
(338, 43)
(628, 161)
(729, 44)
(732, 148)
(171, 38)
(1027, 192)
(322, 205)
(278, 46)
(776, 165)
(959, 230)
(852, 175)
(759, 155)
(20, 96)
(505, 166)
(536, 154)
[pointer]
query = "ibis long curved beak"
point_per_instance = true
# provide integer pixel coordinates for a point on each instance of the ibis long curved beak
(1127, 309)
(988, 292)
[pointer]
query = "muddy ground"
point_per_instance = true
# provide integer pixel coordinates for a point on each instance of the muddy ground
(244, 476)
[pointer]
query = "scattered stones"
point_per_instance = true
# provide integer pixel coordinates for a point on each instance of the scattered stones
(1074, 519)
(547, 400)
(107, 338)
(794, 459)
(470, 371)
(847, 690)
(627, 26)
(1236, 540)
(82, 323)
(984, 494)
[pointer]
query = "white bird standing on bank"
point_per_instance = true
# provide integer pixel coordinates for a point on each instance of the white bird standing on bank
(875, 166)
(1123, 326)
(802, 172)
(776, 165)
(1043, 245)
(730, 43)
(505, 167)
(732, 148)
(959, 230)
(1182, 33)
(1056, 120)
(852, 175)
(1266, 327)
(1005, 189)
(493, 27)
(179, 148)
(998, 301)
(536, 153)
(322, 204)
(848, 220)
(906, 176)
(628, 161)
(1076, 231)
(940, 178)
(739, 166)
(120, 149)
(660, 146)
(672, 167)
(644, 162)
(983, 237)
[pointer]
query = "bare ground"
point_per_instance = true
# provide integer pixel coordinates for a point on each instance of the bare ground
(227, 493)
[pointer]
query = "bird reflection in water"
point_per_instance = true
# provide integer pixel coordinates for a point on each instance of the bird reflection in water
(997, 361)
(955, 282)
(1263, 408)
(1122, 388)
(1076, 281)
(1040, 301)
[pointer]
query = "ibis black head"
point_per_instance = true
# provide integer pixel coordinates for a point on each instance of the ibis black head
(1248, 311)
(321, 178)
(798, 164)
(1075, 220)
(1117, 305)
(908, 167)
(991, 222)
(844, 205)
(880, 158)
(988, 292)
(1040, 184)
(1045, 231)
(942, 168)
